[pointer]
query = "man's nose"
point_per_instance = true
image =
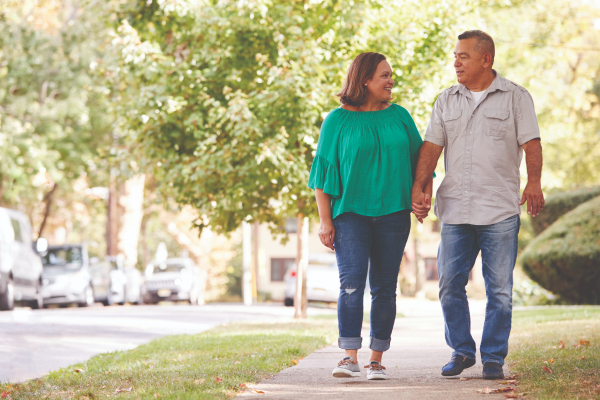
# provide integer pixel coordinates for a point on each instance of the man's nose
(456, 62)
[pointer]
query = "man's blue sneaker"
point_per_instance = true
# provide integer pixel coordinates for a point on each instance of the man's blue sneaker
(492, 370)
(456, 365)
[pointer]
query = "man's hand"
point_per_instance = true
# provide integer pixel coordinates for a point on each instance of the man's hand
(421, 204)
(327, 233)
(534, 197)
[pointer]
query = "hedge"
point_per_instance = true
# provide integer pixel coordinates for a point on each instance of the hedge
(565, 258)
(559, 204)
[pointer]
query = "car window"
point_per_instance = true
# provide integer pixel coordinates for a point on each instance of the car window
(164, 267)
(17, 229)
(63, 256)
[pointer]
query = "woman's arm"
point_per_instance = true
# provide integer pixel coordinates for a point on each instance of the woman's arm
(326, 230)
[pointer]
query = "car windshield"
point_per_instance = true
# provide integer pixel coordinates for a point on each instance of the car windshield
(63, 257)
(164, 267)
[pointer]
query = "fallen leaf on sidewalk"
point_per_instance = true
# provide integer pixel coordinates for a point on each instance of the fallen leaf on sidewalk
(4, 395)
(257, 391)
(123, 390)
(508, 382)
(547, 369)
(242, 385)
(79, 371)
(295, 362)
(217, 379)
(463, 379)
(499, 390)
(512, 396)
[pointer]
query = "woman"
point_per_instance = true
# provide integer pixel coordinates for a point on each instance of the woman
(362, 176)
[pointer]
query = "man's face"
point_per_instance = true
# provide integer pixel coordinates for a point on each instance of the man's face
(469, 64)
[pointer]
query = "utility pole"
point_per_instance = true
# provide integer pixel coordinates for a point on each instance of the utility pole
(247, 262)
(300, 300)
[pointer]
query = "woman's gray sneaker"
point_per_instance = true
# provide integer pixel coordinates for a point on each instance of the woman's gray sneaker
(347, 368)
(376, 371)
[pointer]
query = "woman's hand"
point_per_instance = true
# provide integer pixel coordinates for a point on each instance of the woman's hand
(327, 233)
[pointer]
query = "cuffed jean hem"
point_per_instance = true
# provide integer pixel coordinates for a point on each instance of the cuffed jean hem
(494, 360)
(460, 353)
(379, 345)
(350, 343)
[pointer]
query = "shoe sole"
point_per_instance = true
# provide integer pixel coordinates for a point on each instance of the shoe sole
(377, 377)
(344, 373)
(493, 377)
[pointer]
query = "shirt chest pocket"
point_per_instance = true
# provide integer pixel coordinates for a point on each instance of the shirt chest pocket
(495, 122)
(452, 121)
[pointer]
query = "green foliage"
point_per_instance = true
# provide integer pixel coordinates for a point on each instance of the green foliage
(226, 100)
(565, 258)
(561, 203)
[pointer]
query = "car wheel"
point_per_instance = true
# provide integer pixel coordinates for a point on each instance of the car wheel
(38, 302)
(288, 302)
(88, 296)
(193, 298)
(7, 299)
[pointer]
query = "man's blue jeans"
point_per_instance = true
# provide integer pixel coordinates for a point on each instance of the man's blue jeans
(458, 250)
(358, 240)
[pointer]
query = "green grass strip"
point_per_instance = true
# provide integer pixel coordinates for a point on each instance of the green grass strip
(565, 341)
(212, 365)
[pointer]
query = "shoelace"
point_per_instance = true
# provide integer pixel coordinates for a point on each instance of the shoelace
(346, 362)
(376, 367)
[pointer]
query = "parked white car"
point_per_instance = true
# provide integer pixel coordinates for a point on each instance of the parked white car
(135, 285)
(20, 264)
(322, 280)
(174, 279)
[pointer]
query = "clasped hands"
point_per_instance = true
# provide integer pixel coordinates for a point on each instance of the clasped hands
(421, 204)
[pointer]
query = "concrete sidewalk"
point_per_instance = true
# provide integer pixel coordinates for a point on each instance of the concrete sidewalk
(414, 361)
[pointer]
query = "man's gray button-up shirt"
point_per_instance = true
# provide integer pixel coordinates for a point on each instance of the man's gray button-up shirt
(483, 151)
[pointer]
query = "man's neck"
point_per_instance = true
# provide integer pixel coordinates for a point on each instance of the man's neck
(482, 83)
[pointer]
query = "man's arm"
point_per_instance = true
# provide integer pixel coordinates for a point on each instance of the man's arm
(533, 190)
(428, 158)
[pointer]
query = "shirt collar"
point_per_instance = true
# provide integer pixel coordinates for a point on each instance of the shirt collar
(497, 84)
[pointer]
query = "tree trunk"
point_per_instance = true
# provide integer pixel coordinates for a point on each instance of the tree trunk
(300, 300)
(256, 244)
(48, 201)
(125, 213)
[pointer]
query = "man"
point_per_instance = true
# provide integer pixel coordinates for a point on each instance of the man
(484, 123)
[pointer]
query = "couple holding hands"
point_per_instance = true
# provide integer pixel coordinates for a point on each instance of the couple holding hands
(372, 169)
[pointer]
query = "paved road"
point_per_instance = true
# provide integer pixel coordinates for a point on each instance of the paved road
(35, 342)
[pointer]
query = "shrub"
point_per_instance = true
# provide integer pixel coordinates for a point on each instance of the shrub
(559, 204)
(565, 258)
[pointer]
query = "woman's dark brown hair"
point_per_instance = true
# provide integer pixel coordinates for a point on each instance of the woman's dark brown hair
(354, 92)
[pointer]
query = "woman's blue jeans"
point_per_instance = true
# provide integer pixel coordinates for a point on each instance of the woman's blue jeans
(360, 241)
(458, 250)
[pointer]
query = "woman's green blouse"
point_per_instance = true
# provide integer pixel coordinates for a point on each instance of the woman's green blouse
(366, 161)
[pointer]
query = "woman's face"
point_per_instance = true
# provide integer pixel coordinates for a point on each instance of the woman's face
(380, 85)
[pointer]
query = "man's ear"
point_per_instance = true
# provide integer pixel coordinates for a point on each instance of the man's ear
(487, 58)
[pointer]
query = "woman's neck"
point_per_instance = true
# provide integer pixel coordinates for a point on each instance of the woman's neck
(368, 106)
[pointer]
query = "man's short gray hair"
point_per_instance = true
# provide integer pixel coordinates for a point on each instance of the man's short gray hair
(485, 43)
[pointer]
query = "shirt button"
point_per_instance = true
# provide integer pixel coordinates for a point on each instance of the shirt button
(470, 133)
(466, 173)
(465, 191)
(467, 151)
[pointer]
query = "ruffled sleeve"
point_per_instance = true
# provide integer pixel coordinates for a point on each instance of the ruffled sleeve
(325, 175)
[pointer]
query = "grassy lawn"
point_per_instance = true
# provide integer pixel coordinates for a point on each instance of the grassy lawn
(212, 365)
(565, 341)
(366, 317)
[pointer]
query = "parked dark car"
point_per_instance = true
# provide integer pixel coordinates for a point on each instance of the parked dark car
(72, 275)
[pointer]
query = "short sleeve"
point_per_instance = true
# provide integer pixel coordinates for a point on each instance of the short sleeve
(435, 130)
(526, 124)
(324, 172)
